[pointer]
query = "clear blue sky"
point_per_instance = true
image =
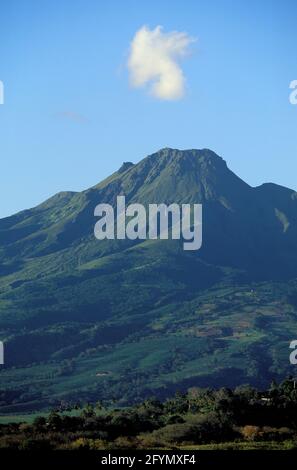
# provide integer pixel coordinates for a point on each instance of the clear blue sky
(70, 117)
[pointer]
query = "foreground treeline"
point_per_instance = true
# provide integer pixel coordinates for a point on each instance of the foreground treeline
(201, 416)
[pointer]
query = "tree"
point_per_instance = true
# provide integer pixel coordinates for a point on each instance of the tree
(54, 421)
(39, 423)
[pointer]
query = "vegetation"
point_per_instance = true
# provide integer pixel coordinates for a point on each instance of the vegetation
(120, 320)
(243, 418)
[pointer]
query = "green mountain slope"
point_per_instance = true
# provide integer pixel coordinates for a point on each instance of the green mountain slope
(117, 319)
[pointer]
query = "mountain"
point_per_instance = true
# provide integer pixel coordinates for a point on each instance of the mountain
(119, 320)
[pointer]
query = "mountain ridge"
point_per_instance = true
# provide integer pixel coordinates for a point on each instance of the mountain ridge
(70, 304)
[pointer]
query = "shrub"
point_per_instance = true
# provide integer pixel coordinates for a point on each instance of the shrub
(175, 433)
(97, 444)
(251, 433)
(80, 444)
(35, 444)
(149, 441)
(174, 419)
(124, 442)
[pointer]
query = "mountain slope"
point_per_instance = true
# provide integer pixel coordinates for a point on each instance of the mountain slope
(83, 316)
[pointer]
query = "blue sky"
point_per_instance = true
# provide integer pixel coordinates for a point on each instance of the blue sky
(70, 117)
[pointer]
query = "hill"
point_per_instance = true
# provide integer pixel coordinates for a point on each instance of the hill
(121, 320)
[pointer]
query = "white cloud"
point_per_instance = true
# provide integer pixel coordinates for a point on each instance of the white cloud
(153, 60)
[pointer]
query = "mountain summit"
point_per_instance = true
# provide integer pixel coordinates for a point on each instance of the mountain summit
(71, 305)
